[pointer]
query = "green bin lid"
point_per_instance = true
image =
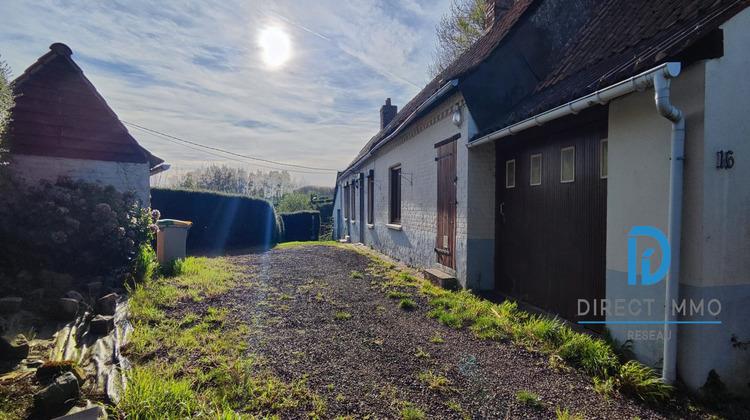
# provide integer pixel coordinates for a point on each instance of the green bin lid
(173, 222)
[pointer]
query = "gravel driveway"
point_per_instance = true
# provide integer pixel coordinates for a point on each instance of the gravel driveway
(370, 364)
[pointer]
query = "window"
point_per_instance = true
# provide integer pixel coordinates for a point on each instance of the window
(353, 193)
(395, 212)
(346, 201)
(370, 196)
(603, 162)
(510, 173)
(568, 164)
(536, 169)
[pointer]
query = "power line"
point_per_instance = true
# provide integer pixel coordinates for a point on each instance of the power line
(165, 136)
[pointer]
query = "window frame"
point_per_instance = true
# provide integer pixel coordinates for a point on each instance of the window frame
(394, 194)
(507, 163)
(353, 201)
(346, 201)
(371, 197)
(562, 164)
(603, 157)
(531, 169)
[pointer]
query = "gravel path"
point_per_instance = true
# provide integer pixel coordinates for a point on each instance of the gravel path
(370, 364)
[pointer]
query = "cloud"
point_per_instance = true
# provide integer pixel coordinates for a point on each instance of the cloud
(193, 69)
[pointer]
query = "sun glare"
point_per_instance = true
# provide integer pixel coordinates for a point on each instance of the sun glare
(276, 46)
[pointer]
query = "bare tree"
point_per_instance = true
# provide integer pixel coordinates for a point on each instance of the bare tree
(457, 31)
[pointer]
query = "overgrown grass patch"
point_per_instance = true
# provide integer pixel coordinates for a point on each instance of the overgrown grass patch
(528, 399)
(504, 321)
(409, 412)
(297, 244)
(193, 363)
(407, 304)
(343, 316)
(435, 381)
(398, 295)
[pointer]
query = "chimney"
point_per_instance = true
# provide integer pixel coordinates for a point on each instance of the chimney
(494, 11)
(387, 113)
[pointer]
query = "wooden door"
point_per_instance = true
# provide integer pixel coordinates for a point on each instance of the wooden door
(551, 234)
(445, 244)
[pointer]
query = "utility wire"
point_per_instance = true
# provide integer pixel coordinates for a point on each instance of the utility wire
(221, 156)
(226, 151)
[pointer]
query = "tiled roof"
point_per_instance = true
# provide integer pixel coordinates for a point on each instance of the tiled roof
(623, 39)
(59, 113)
(465, 64)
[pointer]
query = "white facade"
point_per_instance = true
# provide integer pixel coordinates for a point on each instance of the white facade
(414, 240)
(714, 97)
(124, 176)
(715, 242)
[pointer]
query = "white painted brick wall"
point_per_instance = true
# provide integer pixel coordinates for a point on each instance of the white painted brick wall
(415, 151)
(123, 176)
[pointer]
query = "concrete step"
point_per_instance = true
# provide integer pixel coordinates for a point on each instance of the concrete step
(442, 279)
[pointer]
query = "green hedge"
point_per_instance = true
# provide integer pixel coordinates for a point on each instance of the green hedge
(220, 221)
(301, 226)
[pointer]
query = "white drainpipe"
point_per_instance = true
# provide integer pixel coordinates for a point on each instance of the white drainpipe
(658, 77)
(667, 110)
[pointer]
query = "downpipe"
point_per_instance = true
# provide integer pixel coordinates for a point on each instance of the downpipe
(670, 112)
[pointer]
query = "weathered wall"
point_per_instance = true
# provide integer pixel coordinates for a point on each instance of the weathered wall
(715, 218)
(123, 176)
(414, 150)
(722, 223)
(480, 243)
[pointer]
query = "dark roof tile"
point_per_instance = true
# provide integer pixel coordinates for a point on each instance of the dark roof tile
(59, 113)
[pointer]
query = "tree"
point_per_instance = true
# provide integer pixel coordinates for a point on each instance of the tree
(457, 31)
(293, 202)
(6, 100)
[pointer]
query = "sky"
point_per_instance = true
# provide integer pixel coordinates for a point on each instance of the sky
(197, 70)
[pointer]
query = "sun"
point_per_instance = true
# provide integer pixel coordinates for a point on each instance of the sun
(276, 46)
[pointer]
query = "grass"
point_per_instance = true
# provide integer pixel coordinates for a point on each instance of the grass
(296, 244)
(504, 321)
(435, 382)
(398, 295)
(187, 364)
(343, 316)
(407, 304)
(436, 339)
(356, 275)
(565, 415)
(420, 354)
(409, 412)
(528, 399)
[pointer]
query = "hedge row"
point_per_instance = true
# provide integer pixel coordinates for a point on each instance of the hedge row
(220, 221)
(301, 226)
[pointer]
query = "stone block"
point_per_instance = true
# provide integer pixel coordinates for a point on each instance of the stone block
(102, 325)
(68, 308)
(107, 304)
(14, 348)
(61, 393)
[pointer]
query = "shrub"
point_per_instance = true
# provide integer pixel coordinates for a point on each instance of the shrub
(71, 227)
(220, 221)
(301, 226)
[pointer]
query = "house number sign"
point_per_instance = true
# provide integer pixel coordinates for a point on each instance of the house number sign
(724, 159)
